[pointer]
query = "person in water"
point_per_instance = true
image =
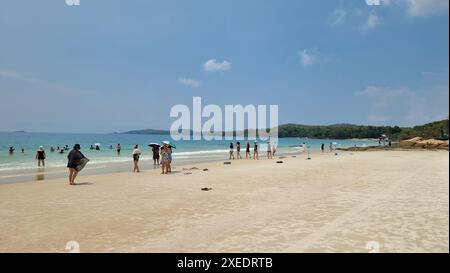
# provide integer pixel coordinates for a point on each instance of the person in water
(74, 157)
(136, 154)
(92, 147)
(238, 150)
(97, 147)
(11, 150)
(231, 151)
(118, 148)
(40, 156)
(247, 150)
(61, 151)
(255, 151)
(155, 151)
(52, 149)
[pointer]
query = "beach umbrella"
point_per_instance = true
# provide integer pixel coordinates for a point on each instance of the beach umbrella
(154, 145)
(97, 144)
(171, 145)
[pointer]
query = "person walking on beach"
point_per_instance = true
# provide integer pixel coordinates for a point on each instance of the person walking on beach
(322, 148)
(118, 148)
(155, 151)
(231, 151)
(255, 151)
(247, 150)
(40, 156)
(269, 150)
(165, 159)
(74, 157)
(238, 150)
(136, 154)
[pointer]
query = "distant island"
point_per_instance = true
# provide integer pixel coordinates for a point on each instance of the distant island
(437, 130)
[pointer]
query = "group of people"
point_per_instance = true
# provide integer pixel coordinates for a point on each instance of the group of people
(271, 150)
(162, 156)
(330, 147)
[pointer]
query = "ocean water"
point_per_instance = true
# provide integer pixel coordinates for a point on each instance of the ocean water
(186, 150)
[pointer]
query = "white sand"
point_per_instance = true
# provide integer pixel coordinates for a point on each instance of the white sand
(327, 204)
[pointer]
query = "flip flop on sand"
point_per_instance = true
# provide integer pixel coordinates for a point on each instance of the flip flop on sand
(205, 170)
(279, 162)
(227, 163)
(206, 189)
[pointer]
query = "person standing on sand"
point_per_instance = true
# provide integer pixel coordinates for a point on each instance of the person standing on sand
(322, 147)
(255, 151)
(247, 150)
(136, 154)
(269, 150)
(238, 150)
(40, 156)
(165, 159)
(169, 164)
(231, 151)
(155, 151)
(331, 147)
(118, 148)
(74, 157)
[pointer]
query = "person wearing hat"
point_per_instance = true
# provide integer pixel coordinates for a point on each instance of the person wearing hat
(40, 156)
(74, 157)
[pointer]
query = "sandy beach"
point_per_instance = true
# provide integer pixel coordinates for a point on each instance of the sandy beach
(392, 201)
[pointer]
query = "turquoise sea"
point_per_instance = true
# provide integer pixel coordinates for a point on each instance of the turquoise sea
(186, 150)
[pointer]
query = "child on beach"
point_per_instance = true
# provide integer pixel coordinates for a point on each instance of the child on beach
(40, 156)
(136, 154)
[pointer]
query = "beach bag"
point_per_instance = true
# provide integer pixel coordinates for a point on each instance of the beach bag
(82, 164)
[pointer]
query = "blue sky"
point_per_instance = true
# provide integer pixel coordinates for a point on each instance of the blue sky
(111, 65)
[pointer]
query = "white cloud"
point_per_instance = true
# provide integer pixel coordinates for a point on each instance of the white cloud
(372, 22)
(426, 7)
(403, 106)
(213, 65)
(189, 82)
(308, 58)
(338, 16)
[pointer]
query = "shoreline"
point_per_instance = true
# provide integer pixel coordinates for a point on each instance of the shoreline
(42, 174)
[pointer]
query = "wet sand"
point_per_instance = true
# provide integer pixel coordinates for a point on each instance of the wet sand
(387, 201)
